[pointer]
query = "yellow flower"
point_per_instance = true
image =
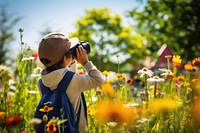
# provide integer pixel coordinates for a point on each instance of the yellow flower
(114, 111)
(107, 89)
(46, 109)
(51, 127)
(176, 60)
(163, 105)
(2, 114)
(106, 73)
(91, 111)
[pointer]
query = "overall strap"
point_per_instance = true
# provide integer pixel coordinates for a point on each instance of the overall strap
(61, 86)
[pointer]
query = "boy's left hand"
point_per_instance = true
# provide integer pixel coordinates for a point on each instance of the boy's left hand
(82, 57)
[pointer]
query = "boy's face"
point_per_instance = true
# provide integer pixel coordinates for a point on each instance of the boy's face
(69, 61)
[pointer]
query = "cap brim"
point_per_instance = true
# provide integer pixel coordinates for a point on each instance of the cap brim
(73, 41)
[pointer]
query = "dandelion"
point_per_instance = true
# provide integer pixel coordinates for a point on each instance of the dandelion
(176, 60)
(145, 71)
(109, 111)
(46, 109)
(51, 127)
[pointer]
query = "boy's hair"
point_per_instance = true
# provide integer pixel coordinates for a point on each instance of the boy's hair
(54, 47)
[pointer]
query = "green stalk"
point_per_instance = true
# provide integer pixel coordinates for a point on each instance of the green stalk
(146, 91)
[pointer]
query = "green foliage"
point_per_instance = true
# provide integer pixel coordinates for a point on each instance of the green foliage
(7, 22)
(104, 31)
(174, 22)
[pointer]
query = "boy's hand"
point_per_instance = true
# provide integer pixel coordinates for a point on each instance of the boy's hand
(82, 57)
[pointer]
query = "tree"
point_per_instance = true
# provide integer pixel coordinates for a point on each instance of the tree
(174, 22)
(7, 22)
(108, 39)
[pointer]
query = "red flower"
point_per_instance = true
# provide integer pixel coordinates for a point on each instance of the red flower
(35, 55)
(12, 121)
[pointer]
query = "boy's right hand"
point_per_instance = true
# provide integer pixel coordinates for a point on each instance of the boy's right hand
(82, 57)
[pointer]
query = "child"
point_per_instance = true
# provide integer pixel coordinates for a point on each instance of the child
(54, 52)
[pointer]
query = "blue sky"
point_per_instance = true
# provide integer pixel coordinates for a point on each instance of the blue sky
(58, 15)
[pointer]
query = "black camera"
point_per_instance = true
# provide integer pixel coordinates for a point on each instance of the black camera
(85, 45)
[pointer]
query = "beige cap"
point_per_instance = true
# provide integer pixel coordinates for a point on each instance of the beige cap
(54, 46)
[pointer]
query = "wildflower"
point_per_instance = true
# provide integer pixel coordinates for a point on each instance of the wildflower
(21, 30)
(35, 121)
(99, 91)
(90, 111)
(176, 61)
(80, 71)
(188, 67)
(12, 121)
(155, 79)
(168, 73)
(109, 111)
(46, 109)
(28, 58)
(2, 114)
(51, 127)
(33, 92)
(35, 55)
(145, 71)
(24, 132)
(163, 105)
(179, 80)
(129, 81)
(107, 89)
(196, 62)
(106, 73)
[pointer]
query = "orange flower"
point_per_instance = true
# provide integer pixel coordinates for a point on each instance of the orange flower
(51, 127)
(188, 67)
(107, 89)
(2, 114)
(46, 109)
(129, 81)
(196, 62)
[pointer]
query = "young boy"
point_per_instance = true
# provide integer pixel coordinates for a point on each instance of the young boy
(54, 52)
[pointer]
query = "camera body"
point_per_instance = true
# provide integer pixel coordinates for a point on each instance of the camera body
(85, 45)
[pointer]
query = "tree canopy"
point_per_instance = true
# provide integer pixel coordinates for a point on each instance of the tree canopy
(174, 22)
(7, 22)
(111, 42)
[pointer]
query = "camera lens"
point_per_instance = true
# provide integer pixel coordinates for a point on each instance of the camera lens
(85, 45)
